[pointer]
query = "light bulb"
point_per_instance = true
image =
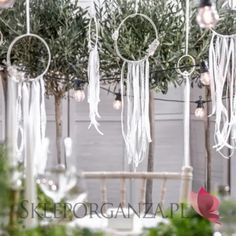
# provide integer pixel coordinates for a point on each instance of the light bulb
(79, 95)
(68, 146)
(205, 78)
(217, 234)
(207, 15)
(117, 105)
(200, 113)
(4, 4)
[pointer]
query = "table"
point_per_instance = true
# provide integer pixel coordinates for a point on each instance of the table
(100, 223)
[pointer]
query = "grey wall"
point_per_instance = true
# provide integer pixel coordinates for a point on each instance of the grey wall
(93, 152)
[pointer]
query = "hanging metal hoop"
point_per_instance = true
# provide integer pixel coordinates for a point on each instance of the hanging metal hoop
(186, 73)
(153, 46)
(40, 39)
(90, 32)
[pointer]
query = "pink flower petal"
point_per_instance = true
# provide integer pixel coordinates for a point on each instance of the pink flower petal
(206, 205)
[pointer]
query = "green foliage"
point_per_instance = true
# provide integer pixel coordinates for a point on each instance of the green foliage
(62, 208)
(228, 211)
(162, 230)
(228, 217)
(4, 181)
(63, 25)
(192, 225)
(169, 18)
(135, 38)
(54, 230)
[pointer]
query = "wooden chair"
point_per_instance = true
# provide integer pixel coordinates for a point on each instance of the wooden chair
(185, 176)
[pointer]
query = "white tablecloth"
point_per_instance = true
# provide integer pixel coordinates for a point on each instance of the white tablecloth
(99, 223)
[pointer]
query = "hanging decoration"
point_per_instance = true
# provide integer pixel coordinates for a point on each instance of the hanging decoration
(78, 93)
(222, 71)
(205, 75)
(136, 129)
(207, 15)
(200, 111)
(27, 119)
(93, 78)
(117, 102)
(186, 75)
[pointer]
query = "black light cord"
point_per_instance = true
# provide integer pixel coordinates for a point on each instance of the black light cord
(165, 100)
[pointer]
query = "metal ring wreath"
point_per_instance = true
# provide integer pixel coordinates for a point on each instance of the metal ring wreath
(186, 73)
(44, 44)
(27, 118)
(152, 47)
(136, 129)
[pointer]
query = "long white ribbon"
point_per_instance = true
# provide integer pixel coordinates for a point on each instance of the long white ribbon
(94, 80)
(12, 122)
(222, 71)
(136, 131)
(187, 121)
(27, 117)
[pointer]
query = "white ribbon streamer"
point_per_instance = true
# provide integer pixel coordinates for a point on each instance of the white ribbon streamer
(222, 71)
(94, 80)
(26, 128)
(136, 131)
(12, 123)
(34, 119)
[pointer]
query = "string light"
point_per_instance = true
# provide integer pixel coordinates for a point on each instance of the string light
(79, 94)
(207, 15)
(200, 111)
(205, 75)
(4, 4)
(217, 234)
(117, 103)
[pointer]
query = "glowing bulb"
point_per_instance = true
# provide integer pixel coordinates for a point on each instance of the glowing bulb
(200, 113)
(205, 78)
(79, 95)
(205, 75)
(217, 234)
(207, 15)
(50, 182)
(117, 103)
(18, 183)
(4, 4)
(54, 187)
